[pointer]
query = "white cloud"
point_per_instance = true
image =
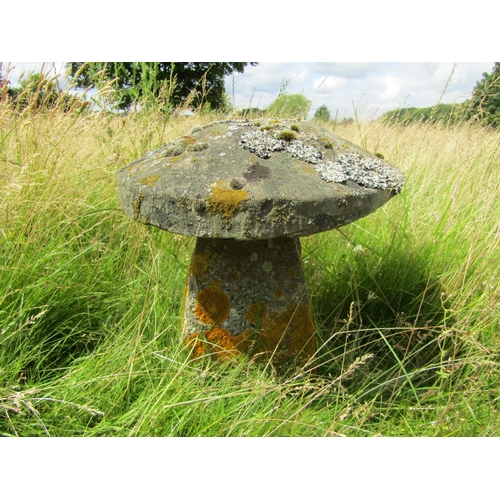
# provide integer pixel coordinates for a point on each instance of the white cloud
(358, 70)
(392, 89)
(328, 84)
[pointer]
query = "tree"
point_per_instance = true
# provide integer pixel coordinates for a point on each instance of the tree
(290, 105)
(174, 82)
(322, 113)
(40, 92)
(485, 102)
(448, 114)
(36, 91)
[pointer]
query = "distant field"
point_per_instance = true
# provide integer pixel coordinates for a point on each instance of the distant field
(406, 301)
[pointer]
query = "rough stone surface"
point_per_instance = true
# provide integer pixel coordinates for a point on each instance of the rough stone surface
(248, 296)
(256, 180)
(247, 191)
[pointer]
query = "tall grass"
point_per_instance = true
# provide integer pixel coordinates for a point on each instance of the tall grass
(406, 301)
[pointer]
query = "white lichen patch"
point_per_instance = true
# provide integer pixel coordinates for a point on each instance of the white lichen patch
(309, 154)
(331, 172)
(263, 144)
(363, 170)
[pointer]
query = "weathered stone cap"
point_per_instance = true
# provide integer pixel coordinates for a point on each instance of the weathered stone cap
(251, 180)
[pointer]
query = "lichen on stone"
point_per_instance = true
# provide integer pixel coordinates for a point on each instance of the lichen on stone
(309, 154)
(224, 201)
(137, 207)
(198, 146)
(200, 263)
(281, 213)
(149, 181)
(263, 144)
(173, 150)
(197, 348)
(212, 306)
(222, 344)
(365, 171)
(186, 140)
(282, 335)
(184, 202)
(218, 343)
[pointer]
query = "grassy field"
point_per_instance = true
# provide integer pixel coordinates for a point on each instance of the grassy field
(406, 301)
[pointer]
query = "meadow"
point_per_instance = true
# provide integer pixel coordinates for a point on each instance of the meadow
(406, 301)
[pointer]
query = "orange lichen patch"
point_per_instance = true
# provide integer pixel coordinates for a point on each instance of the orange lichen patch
(223, 200)
(297, 320)
(256, 313)
(212, 306)
(280, 336)
(186, 140)
(223, 344)
(218, 343)
(288, 334)
(149, 181)
(196, 345)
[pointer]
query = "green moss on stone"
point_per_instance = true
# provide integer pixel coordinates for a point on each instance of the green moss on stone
(326, 143)
(287, 135)
(174, 150)
(198, 146)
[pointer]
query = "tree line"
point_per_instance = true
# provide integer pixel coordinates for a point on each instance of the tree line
(166, 85)
(125, 85)
(483, 107)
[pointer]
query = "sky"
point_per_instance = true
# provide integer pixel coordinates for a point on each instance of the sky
(367, 88)
(370, 88)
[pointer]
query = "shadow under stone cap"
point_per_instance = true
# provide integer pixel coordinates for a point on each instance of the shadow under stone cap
(251, 180)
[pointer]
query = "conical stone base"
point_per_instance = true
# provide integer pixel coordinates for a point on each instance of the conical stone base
(248, 296)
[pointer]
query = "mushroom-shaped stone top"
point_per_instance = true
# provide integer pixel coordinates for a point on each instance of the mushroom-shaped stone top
(256, 180)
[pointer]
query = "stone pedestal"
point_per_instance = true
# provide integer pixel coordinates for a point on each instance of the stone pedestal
(248, 190)
(248, 296)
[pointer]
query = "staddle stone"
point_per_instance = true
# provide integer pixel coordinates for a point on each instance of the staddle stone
(248, 190)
